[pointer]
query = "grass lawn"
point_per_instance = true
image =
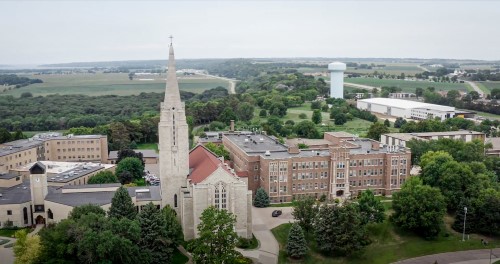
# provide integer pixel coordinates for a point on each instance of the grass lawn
(8, 232)
(281, 205)
(109, 83)
(490, 85)
(407, 86)
(388, 245)
(178, 257)
(148, 146)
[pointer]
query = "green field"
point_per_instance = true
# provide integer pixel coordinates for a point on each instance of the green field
(153, 146)
(390, 68)
(490, 85)
(389, 244)
(109, 83)
(408, 86)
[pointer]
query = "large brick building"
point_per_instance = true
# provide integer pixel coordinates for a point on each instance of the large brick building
(344, 167)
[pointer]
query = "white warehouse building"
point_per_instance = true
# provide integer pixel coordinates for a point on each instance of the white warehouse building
(406, 109)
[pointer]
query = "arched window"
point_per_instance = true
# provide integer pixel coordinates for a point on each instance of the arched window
(25, 215)
(50, 215)
(220, 196)
(175, 200)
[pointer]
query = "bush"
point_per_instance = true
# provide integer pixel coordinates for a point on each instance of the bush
(302, 116)
(263, 113)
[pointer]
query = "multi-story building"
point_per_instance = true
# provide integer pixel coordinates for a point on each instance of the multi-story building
(400, 139)
(54, 147)
(342, 168)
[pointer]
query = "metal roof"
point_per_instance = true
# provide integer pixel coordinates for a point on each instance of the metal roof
(407, 104)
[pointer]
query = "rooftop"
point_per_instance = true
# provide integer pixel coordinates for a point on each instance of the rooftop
(56, 167)
(18, 145)
(406, 104)
(17, 194)
(203, 163)
(495, 141)
(8, 176)
(255, 144)
(146, 153)
(447, 133)
(340, 134)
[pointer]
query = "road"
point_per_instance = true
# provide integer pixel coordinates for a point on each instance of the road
(476, 88)
(360, 86)
(232, 82)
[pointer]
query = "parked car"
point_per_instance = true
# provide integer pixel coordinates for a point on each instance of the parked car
(276, 213)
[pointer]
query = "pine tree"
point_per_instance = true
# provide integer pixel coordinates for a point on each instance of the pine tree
(154, 237)
(173, 227)
(296, 247)
(121, 205)
(261, 198)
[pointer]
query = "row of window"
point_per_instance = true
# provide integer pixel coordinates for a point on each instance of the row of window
(394, 171)
(310, 165)
(310, 186)
(369, 182)
(76, 142)
(79, 157)
(77, 149)
(274, 189)
(310, 175)
(366, 162)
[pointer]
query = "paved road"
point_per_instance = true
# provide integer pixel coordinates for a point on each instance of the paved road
(476, 88)
(232, 82)
(481, 256)
(7, 254)
(263, 222)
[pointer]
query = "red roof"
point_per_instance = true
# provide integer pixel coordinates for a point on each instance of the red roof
(202, 163)
(242, 173)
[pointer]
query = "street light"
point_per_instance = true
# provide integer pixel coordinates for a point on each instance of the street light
(465, 218)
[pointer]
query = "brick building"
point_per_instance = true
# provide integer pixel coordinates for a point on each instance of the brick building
(340, 169)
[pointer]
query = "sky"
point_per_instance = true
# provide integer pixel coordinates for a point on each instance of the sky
(37, 32)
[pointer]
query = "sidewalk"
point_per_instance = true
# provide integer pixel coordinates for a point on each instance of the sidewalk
(7, 254)
(480, 256)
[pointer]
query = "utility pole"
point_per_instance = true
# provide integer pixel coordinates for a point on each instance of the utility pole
(465, 218)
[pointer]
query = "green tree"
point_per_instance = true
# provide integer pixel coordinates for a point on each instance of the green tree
(306, 129)
(227, 115)
(219, 150)
(5, 135)
(261, 198)
(305, 211)
(399, 122)
(263, 113)
(26, 249)
(245, 111)
(125, 177)
(370, 208)
(302, 116)
(103, 177)
(296, 246)
(315, 105)
(125, 153)
(173, 227)
(86, 209)
(154, 236)
(119, 138)
(387, 123)
(18, 135)
(339, 229)
(419, 92)
(376, 130)
(121, 205)
(132, 165)
(419, 208)
(340, 119)
(217, 238)
(316, 117)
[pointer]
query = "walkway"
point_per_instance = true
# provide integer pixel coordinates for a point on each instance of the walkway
(480, 256)
(7, 254)
(37, 229)
(263, 222)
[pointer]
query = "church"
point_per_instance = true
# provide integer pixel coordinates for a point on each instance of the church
(190, 180)
(193, 180)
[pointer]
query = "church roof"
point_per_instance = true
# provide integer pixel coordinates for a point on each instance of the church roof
(203, 163)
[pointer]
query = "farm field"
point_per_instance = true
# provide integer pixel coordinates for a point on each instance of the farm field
(490, 85)
(110, 83)
(390, 68)
(408, 86)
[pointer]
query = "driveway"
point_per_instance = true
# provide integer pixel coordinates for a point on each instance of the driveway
(480, 256)
(262, 223)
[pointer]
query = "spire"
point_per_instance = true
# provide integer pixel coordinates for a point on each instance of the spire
(172, 94)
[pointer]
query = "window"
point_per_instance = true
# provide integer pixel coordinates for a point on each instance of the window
(220, 196)
(9, 212)
(50, 215)
(175, 200)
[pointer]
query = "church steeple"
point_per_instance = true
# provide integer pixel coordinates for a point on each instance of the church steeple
(172, 94)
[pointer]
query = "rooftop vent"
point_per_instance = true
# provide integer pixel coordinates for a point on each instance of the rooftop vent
(268, 153)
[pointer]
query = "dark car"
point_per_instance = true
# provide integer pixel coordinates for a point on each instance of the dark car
(276, 213)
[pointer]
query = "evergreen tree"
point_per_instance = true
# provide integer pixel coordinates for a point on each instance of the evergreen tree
(173, 227)
(121, 205)
(316, 117)
(387, 123)
(261, 198)
(296, 246)
(154, 236)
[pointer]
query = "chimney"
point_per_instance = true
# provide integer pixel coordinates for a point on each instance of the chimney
(231, 126)
(375, 145)
(293, 150)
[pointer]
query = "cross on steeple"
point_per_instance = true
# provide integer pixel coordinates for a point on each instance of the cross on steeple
(171, 37)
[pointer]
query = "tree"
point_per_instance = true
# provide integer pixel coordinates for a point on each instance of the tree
(103, 177)
(19, 135)
(376, 130)
(452, 95)
(418, 208)
(261, 198)
(119, 138)
(296, 246)
(27, 249)
(219, 150)
(125, 177)
(306, 129)
(339, 229)
(305, 211)
(82, 210)
(227, 115)
(154, 236)
(387, 123)
(316, 117)
(399, 122)
(5, 135)
(173, 227)
(121, 205)
(370, 208)
(315, 105)
(340, 119)
(217, 237)
(263, 113)
(474, 95)
(245, 111)
(125, 153)
(26, 94)
(132, 165)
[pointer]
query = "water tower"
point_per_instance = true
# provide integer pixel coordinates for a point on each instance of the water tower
(336, 79)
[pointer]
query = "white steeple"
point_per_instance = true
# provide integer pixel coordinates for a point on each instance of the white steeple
(173, 140)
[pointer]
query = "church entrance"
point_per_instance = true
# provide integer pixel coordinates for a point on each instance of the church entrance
(40, 220)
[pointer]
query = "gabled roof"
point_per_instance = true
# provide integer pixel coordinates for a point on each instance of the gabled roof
(203, 163)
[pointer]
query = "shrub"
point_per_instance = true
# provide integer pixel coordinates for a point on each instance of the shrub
(302, 116)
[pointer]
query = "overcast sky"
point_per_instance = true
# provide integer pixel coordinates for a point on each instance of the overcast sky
(75, 31)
